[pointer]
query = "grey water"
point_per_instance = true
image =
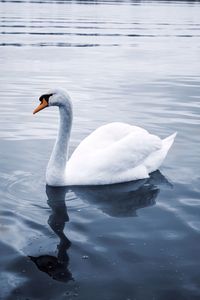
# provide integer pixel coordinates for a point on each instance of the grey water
(130, 61)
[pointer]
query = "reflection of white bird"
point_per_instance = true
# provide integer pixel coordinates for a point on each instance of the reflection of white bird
(113, 153)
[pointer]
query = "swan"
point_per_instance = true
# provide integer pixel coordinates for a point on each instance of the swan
(113, 153)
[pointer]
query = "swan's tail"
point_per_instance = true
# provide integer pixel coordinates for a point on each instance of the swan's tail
(154, 160)
(167, 143)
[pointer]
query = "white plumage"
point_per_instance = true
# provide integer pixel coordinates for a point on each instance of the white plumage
(113, 153)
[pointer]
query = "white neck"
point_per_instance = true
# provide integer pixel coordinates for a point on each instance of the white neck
(58, 160)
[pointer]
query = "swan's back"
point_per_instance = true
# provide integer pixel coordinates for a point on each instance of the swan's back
(104, 136)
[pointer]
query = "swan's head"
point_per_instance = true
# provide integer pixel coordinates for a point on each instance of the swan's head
(56, 97)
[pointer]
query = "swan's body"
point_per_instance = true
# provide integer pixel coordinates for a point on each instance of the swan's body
(113, 153)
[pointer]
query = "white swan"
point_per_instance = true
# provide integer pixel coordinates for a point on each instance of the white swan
(113, 153)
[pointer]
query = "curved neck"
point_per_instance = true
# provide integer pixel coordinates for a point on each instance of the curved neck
(58, 160)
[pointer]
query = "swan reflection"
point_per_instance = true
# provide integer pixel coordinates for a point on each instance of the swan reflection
(119, 200)
(56, 267)
(123, 200)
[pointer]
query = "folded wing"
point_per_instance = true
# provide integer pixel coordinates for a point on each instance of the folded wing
(116, 157)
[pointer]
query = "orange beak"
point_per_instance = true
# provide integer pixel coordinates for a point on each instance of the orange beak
(42, 105)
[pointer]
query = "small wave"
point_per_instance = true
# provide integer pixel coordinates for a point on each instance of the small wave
(55, 45)
(20, 187)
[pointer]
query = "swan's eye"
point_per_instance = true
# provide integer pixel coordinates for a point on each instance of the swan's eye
(45, 97)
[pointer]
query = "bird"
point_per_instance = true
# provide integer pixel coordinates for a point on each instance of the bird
(114, 153)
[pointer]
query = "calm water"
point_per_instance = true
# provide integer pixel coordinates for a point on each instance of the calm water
(131, 61)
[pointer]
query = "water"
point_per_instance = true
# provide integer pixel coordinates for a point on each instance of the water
(130, 61)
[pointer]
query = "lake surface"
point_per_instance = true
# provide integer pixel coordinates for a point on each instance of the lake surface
(131, 61)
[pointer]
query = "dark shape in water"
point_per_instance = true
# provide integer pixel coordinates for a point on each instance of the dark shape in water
(56, 267)
(51, 265)
(123, 200)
